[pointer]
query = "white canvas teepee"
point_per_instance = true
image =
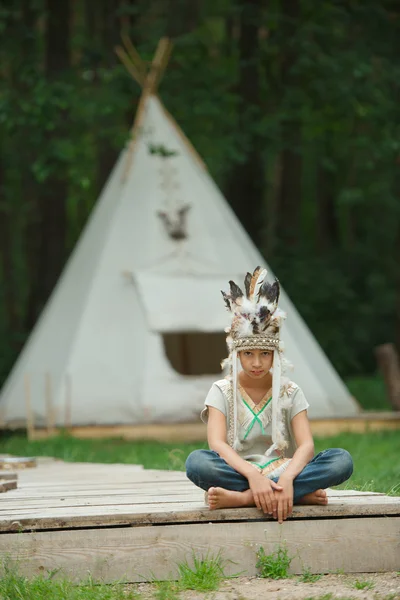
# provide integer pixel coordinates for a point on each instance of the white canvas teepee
(138, 311)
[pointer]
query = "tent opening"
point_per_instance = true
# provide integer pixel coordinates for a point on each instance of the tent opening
(195, 353)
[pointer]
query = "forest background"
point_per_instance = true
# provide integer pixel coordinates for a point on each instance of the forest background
(294, 106)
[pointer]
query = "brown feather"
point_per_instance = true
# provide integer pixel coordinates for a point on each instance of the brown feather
(236, 292)
(247, 283)
(270, 292)
(254, 281)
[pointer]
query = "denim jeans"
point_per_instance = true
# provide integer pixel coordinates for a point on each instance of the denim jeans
(205, 468)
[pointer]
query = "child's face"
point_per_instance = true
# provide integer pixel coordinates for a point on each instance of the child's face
(256, 363)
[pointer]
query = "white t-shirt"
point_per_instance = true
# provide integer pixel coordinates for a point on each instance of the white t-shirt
(254, 421)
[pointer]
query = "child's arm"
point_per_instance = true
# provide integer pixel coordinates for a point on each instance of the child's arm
(262, 488)
(302, 456)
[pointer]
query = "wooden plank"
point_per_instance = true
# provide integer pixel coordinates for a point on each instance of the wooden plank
(196, 431)
(8, 475)
(137, 508)
(8, 504)
(13, 462)
(178, 512)
(142, 553)
(5, 486)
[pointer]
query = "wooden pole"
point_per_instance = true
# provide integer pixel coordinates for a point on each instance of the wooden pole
(184, 139)
(134, 55)
(49, 405)
(389, 365)
(68, 401)
(148, 90)
(30, 424)
(130, 67)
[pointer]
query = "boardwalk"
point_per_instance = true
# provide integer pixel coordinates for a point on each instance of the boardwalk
(127, 523)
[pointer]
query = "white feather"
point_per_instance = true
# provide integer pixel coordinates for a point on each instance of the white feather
(259, 282)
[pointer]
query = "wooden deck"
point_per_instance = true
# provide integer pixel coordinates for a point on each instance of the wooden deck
(121, 522)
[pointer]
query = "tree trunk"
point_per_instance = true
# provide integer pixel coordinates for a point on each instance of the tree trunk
(53, 192)
(246, 183)
(327, 224)
(289, 202)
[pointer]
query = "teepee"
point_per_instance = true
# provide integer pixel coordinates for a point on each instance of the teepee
(134, 329)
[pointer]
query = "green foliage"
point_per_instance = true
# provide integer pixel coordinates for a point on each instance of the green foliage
(308, 577)
(166, 590)
(275, 565)
(374, 470)
(204, 574)
(13, 586)
(326, 119)
(369, 392)
(363, 585)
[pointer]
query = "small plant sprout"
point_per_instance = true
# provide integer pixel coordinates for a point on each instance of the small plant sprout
(308, 577)
(166, 590)
(275, 565)
(363, 585)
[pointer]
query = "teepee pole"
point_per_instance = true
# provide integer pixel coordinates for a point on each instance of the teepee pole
(134, 55)
(149, 88)
(137, 69)
(191, 149)
(129, 65)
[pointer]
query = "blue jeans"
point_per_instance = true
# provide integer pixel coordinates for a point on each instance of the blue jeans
(205, 468)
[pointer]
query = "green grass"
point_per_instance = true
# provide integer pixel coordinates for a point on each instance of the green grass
(16, 587)
(363, 585)
(275, 565)
(166, 590)
(205, 575)
(374, 454)
(308, 577)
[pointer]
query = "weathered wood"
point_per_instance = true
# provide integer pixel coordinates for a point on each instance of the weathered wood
(190, 432)
(17, 463)
(389, 364)
(8, 475)
(5, 486)
(180, 512)
(142, 553)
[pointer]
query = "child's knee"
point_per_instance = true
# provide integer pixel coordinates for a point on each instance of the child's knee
(199, 465)
(341, 463)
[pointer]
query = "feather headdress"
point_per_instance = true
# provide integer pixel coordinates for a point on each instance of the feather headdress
(256, 323)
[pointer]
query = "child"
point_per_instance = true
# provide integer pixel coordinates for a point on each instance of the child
(261, 447)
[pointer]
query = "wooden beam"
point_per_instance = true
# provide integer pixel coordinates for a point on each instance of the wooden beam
(68, 402)
(148, 553)
(50, 416)
(30, 424)
(197, 432)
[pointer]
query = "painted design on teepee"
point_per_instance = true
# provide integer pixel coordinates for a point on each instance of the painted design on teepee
(174, 216)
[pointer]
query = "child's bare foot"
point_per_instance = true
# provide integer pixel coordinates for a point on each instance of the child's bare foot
(220, 498)
(317, 497)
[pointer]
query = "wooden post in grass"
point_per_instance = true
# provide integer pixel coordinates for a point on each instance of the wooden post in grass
(388, 361)
(30, 423)
(68, 402)
(49, 405)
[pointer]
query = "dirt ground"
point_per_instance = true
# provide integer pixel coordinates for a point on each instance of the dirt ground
(384, 586)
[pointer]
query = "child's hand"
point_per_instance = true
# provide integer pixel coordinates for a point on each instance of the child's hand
(263, 492)
(284, 500)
